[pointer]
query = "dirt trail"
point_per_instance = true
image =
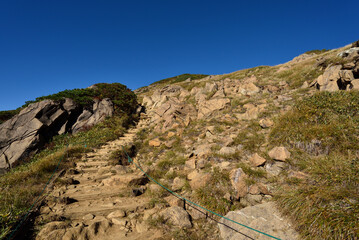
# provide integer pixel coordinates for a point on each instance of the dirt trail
(100, 202)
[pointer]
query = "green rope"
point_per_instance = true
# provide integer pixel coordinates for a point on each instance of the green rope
(43, 190)
(185, 199)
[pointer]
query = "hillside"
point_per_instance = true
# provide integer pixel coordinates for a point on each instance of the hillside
(287, 131)
(273, 148)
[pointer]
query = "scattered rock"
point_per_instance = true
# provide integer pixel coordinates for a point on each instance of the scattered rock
(266, 123)
(178, 183)
(191, 163)
(117, 214)
(279, 153)
(207, 107)
(174, 201)
(200, 180)
(257, 160)
(88, 217)
(154, 143)
(275, 168)
(177, 216)
(227, 151)
(238, 178)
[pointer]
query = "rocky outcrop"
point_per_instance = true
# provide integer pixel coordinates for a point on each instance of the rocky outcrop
(100, 110)
(341, 77)
(24, 134)
(263, 217)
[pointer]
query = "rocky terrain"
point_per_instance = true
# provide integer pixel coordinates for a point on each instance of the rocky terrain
(273, 148)
(24, 134)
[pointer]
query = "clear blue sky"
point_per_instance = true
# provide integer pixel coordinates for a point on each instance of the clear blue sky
(49, 46)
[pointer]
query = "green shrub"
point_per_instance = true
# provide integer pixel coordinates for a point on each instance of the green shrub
(123, 98)
(6, 115)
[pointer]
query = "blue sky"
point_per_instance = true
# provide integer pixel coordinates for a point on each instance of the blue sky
(49, 46)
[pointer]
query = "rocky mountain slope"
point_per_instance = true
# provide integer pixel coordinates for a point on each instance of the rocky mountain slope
(273, 148)
(250, 137)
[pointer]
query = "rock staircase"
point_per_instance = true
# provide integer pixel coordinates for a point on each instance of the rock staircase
(99, 202)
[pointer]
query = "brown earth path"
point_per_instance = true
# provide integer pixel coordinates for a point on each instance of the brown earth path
(99, 202)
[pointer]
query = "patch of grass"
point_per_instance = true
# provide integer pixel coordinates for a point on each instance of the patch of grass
(180, 78)
(252, 172)
(203, 230)
(317, 51)
(21, 186)
(331, 118)
(210, 94)
(326, 204)
(211, 196)
(297, 75)
(250, 138)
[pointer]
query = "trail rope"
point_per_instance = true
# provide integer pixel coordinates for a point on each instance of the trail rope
(187, 200)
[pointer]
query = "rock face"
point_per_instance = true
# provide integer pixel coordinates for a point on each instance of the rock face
(100, 110)
(24, 134)
(263, 217)
(341, 77)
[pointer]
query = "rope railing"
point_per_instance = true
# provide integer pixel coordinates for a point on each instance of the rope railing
(185, 200)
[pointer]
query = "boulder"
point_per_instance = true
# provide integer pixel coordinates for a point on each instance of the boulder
(176, 216)
(279, 154)
(154, 142)
(24, 134)
(207, 107)
(350, 53)
(249, 89)
(117, 214)
(257, 160)
(266, 123)
(178, 183)
(238, 180)
(174, 201)
(200, 180)
(263, 217)
(328, 80)
(227, 151)
(172, 111)
(100, 110)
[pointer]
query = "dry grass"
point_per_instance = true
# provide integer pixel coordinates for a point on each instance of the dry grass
(23, 184)
(326, 204)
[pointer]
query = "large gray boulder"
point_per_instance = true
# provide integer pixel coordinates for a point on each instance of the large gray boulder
(24, 134)
(100, 110)
(263, 217)
(21, 136)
